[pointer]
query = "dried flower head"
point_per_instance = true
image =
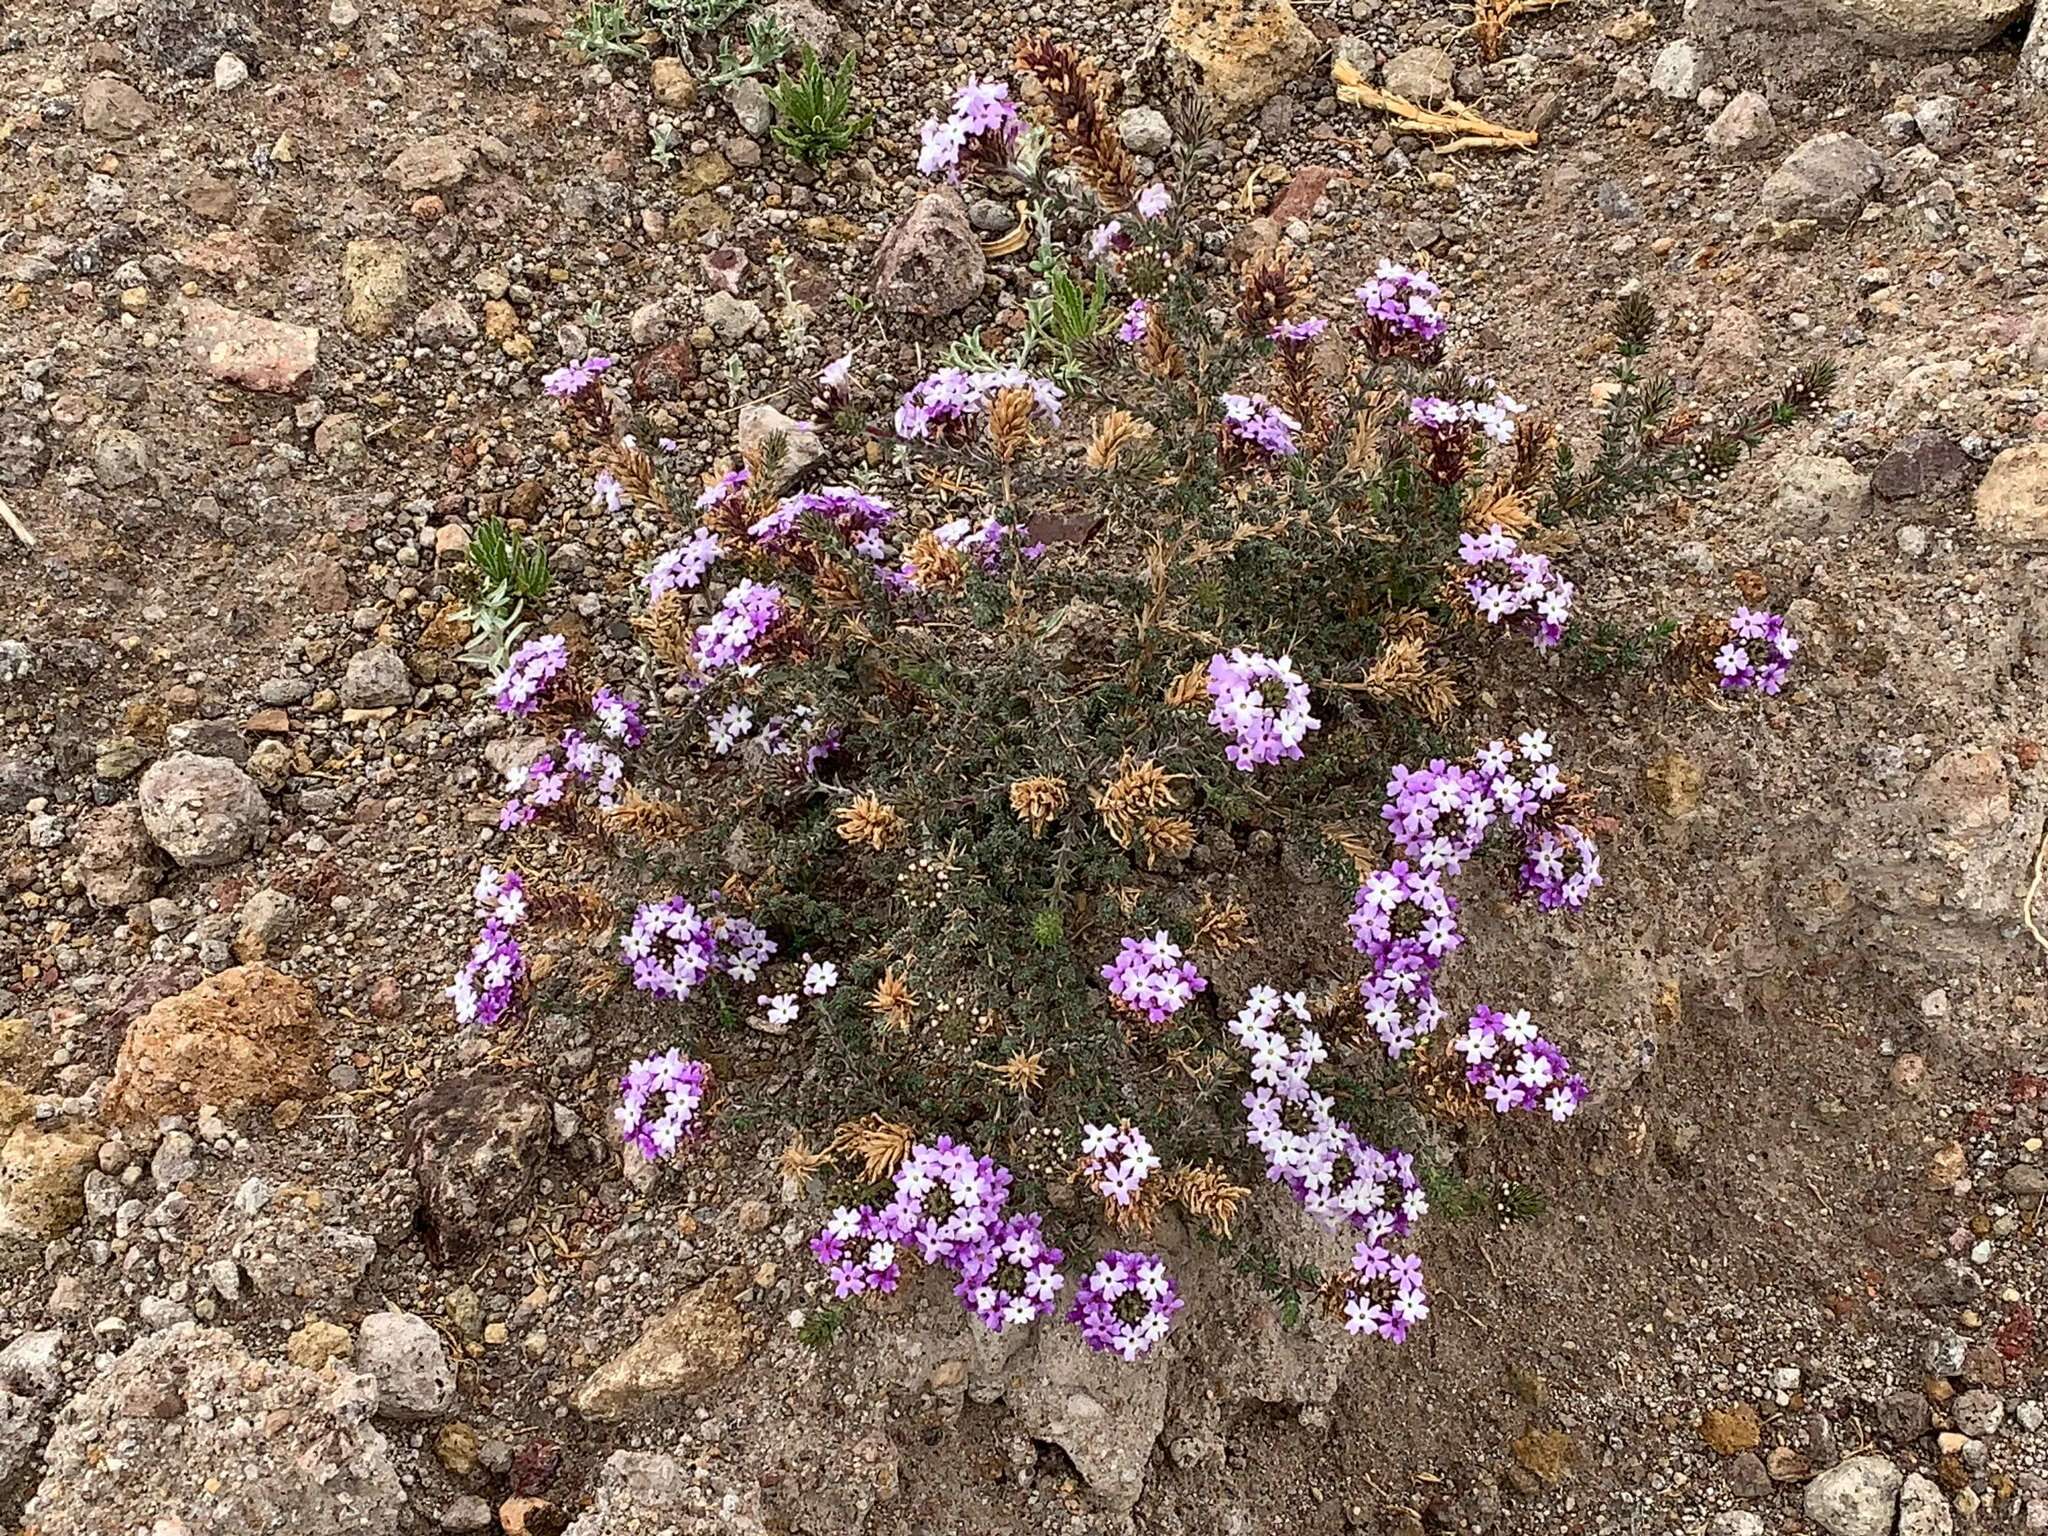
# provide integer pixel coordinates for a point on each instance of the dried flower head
(1272, 292)
(1009, 423)
(1023, 1073)
(869, 823)
(893, 1001)
(1140, 789)
(935, 565)
(1208, 1196)
(1404, 674)
(798, 1161)
(1083, 111)
(1191, 687)
(1116, 432)
(876, 1144)
(1037, 801)
(647, 821)
(1224, 927)
(1167, 837)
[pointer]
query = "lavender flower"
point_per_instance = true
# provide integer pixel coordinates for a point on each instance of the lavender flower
(1150, 978)
(1507, 585)
(1517, 1068)
(980, 130)
(659, 1098)
(1137, 322)
(673, 947)
(1126, 1304)
(683, 569)
(1154, 201)
(727, 639)
(1117, 1160)
(1256, 420)
(619, 717)
(946, 1199)
(1010, 1277)
(483, 988)
(952, 397)
(1385, 1294)
(534, 787)
(606, 493)
(1759, 652)
(1560, 867)
(1107, 239)
(1261, 702)
(573, 378)
(533, 666)
(860, 1251)
(724, 488)
(1299, 332)
(1400, 309)
(1403, 912)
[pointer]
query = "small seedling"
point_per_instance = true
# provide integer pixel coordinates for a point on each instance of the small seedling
(815, 118)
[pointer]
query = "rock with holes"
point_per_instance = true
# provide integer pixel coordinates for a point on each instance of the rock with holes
(248, 1036)
(930, 263)
(474, 1142)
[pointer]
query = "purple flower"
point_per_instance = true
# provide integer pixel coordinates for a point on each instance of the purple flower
(1385, 1294)
(1560, 867)
(860, 1252)
(1507, 585)
(1400, 309)
(1402, 912)
(619, 717)
(1010, 1276)
(659, 1098)
(1150, 978)
(980, 129)
(726, 486)
(1516, 1068)
(483, 988)
(1256, 420)
(673, 947)
(1261, 703)
(728, 637)
(1136, 323)
(683, 569)
(946, 1199)
(1154, 201)
(1126, 1304)
(1118, 1160)
(1759, 651)
(573, 378)
(1297, 332)
(533, 666)
(952, 397)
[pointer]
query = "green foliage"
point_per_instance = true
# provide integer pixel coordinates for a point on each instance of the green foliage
(682, 22)
(820, 1327)
(815, 118)
(1603, 647)
(1070, 314)
(1291, 1287)
(606, 29)
(766, 44)
(505, 573)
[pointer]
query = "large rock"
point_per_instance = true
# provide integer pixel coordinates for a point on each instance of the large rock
(801, 447)
(1855, 1497)
(2033, 70)
(2012, 499)
(1925, 463)
(1105, 1414)
(641, 1492)
(292, 1254)
(374, 284)
(42, 1179)
(444, 161)
(696, 1344)
(415, 1379)
(185, 1435)
(21, 1431)
(1923, 26)
(202, 811)
(266, 356)
(930, 262)
(117, 862)
(1827, 179)
(1239, 51)
(1818, 493)
(188, 37)
(1923, 1508)
(474, 1142)
(251, 1035)
(113, 109)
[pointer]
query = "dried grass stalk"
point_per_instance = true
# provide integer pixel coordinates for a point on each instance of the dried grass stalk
(1461, 127)
(1083, 110)
(1115, 432)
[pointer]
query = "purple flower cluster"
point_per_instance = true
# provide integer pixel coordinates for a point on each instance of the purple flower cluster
(1506, 585)
(953, 396)
(672, 947)
(1137, 322)
(857, 515)
(683, 568)
(1126, 1304)
(1339, 1179)
(1262, 703)
(981, 128)
(1010, 1277)
(1150, 978)
(1406, 923)
(859, 1250)
(482, 991)
(1385, 1294)
(1256, 420)
(1560, 867)
(1516, 1067)
(658, 1102)
(534, 787)
(1759, 652)
(727, 638)
(1154, 201)
(946, 1199)
(618, 717)
(1400, 306)
(724, 488)
(1298, 333)
(534, 665)
(1118, 1160)
(573, 378)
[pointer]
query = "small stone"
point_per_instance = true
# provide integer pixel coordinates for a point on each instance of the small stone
(375, 280)
(1145, 131)
(750, 105)
(1827, 179)
(1855, 1497)
(376, 679)
(1241, 52)
(119, 458)
(1820, 494)
(694, 1345)
(1923, 1509)
(1744, 129)
(318, 1342)
(1680, 70)
(2027, 1180)
(929, 263)
(1731, 1430)
(202, 811)
(2011, 504)
(415, 1379)
(732, 320)
(265, 356)
(673, 84)
(445, 323)
(229, 73)
(466, 1513)
(1978, 1414)
(801, 447)
(456, 1448)
(113, 109)
(1420, 75)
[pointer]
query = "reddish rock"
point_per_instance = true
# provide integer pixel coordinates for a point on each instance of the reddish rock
(251, 1035)
(267, 356)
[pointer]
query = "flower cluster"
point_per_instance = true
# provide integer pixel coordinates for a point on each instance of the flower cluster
(1759, 652)
(1406, 923)
(1560, 867)
(544, 782)
(1515, 1067)
(946, 1199)
(1384, 1294)
(659, 1097)
(682, 569)
(1262, 703)
(1494, 418)
(1117, 1160)
(618, 717)
(1400, 308)
(727, 638)
(953, 396)
(1150, 977)
(721, 490)
(1126, 1304)
(981, 129)
(1298, 333)
(859, 1250)
(534, 665)
(672, 947)
(482, 992)
(533, 787)
(1137, 322)
(572, 379)
(1505, 584)
(1338, 1178)
(1010, 1277)
(1256, 420)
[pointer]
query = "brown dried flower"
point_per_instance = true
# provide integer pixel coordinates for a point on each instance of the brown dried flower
(1083, 110)
(869, 823)
(1167, 837)
(1139, 790)
(1037, 801)
(893, 1000)
(878, 1145)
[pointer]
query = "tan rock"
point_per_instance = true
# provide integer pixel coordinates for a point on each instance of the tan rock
(1674, 782)
(694, 1345)
(1240, 51)
(1731, 1431)
(248, 1036)
(2012, 498)
(317, 1343)
(674, 86)
(42, 1179)
(374, 285)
